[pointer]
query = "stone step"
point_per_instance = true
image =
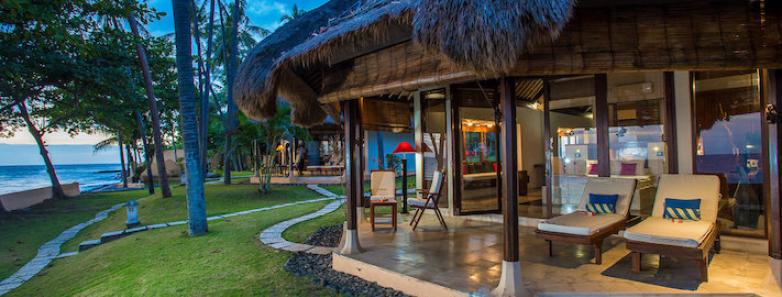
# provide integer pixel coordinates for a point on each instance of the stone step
(88, 244)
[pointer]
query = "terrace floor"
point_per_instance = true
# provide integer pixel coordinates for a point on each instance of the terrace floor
(467, 258)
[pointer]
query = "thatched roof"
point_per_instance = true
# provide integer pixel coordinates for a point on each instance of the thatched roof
(485, 36)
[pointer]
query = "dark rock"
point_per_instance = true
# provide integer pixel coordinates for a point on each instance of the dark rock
(318, 268)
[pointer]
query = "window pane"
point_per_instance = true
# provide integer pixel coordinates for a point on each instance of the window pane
(728, 143)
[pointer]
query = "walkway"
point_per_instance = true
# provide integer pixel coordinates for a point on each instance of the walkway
(48, 252)
(272, 236)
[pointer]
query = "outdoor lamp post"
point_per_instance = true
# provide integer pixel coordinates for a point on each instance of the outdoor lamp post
(404, 148)
(132, 207)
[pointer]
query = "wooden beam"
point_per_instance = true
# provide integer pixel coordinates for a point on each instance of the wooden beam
(771, 96)
(349, 122)
(601, 123)
(548, 146)
(509, 161)
(672, 156)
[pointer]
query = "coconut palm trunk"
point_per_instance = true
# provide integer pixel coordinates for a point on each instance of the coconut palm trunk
(207, 88)
(231, 121)
(157, 136)
(196, 204)
(57, 191)
(147, 161)
(122, 162)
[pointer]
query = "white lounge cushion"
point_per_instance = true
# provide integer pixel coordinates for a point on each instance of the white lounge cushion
(682, 186)
(419, 202)
(579, 223)
(668, 232)
(381, 197)
(623, 187)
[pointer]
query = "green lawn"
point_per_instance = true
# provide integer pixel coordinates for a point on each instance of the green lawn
(220, 199)
(228, 261)
(340, 189)
(301, 231)
(21, 233)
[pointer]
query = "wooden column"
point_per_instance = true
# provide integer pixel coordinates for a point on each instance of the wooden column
(672, 156)
(548, 146)
(418, 125)
(509, 161)
(771, 96)
(601, 123)
(454, 125)
(349, 122)
(360, 156)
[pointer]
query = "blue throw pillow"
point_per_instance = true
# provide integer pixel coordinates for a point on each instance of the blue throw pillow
(681, 209)
(602, 203)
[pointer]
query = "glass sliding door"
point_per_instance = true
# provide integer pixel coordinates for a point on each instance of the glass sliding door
(727, 123)
(434, 140)
(478, 148)
(574, 140)
(636, 113)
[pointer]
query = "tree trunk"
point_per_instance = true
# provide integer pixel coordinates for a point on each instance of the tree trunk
(57, 192)
(155, 115)
(147, 161)
(196, 204)
(131, 167)
(232, 63)
(122, 162)
(227, 160)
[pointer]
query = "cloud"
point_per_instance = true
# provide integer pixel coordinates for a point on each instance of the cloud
(266, 7)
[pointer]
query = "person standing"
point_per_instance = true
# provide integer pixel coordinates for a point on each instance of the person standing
(301, 154)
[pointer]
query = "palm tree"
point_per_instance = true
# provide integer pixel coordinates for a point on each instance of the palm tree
(157, 136)
(295, 13)
(196, 204)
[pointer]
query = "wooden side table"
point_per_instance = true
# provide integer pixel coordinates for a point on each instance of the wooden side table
(391, 203)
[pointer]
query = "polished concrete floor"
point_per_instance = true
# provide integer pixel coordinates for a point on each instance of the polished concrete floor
(467, 257)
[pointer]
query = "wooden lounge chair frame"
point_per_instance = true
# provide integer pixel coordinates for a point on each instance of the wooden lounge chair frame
(700, 254)
(432, 200)
(595, 240)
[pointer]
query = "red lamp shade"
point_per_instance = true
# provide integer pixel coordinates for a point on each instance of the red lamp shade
(404, 148)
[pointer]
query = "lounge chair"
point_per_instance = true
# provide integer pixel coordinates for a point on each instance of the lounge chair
(430, 201)
(382, 185)
(690, 238)
(584, 226)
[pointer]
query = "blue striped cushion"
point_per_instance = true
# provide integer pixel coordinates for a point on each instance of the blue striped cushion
(681, 209)
(602, 203)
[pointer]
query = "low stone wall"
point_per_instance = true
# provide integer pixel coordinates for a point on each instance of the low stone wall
(28, 198)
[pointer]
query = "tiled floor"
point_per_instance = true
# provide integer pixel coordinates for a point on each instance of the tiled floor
(468, 257)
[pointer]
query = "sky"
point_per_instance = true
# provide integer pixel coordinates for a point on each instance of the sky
(18, 150)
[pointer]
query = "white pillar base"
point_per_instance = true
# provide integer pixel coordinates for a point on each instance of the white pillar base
(511, 284)
(775, 277)
(349, 245)
(360, 214)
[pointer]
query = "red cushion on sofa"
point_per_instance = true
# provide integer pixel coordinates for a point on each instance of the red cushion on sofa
(628, 169)
(593, 169)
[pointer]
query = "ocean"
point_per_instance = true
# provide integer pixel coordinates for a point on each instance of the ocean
(90, 177)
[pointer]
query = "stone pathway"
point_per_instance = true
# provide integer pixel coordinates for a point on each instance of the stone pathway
(51, 250)
(48, 252)
(272, 236)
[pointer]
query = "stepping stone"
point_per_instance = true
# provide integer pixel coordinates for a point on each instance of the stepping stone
(109, 236)
(177, 223)
(88, 244)
(320, 250)
(157, 226)
(64, 255)
(135, 230)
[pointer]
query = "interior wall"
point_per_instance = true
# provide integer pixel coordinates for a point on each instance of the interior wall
(531, 122)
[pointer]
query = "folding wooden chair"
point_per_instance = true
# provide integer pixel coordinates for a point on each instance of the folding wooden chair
(432, 197)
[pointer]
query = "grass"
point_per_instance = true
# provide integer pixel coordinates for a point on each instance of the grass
(23, 232)
(220, 199)
(339, 189)
(301, 231)
(228, 261)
